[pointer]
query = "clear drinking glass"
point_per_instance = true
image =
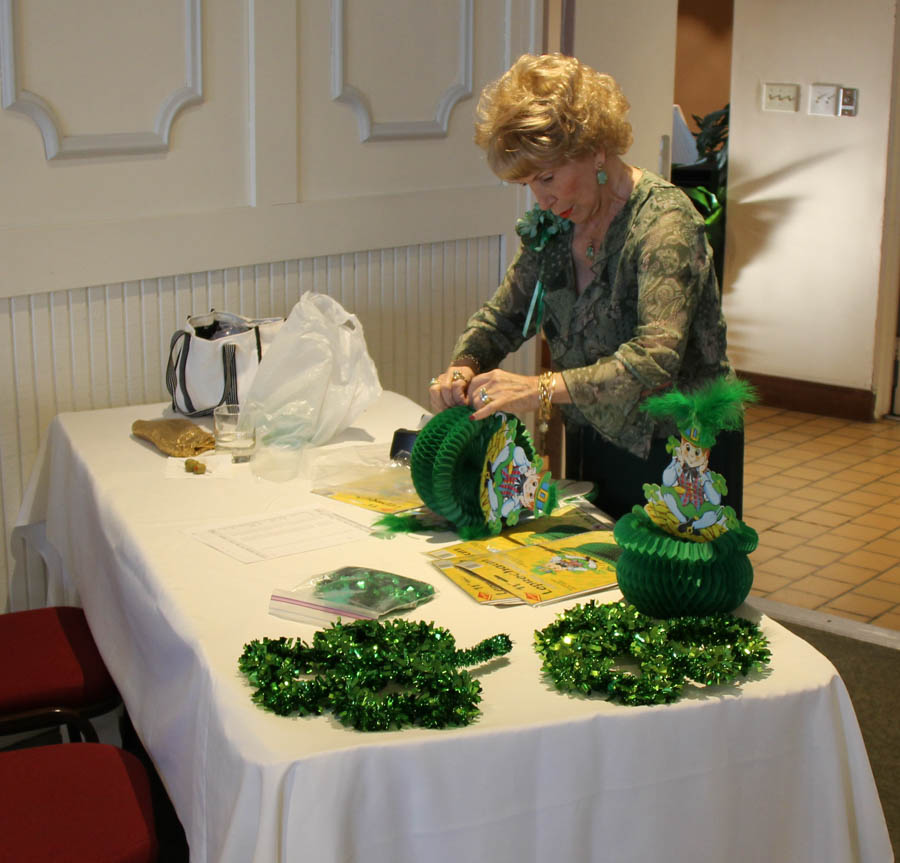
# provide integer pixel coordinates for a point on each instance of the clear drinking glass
(230, 436)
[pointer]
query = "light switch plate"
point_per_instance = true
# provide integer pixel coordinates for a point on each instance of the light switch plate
(781, 97)
(824, 99)
(849, 101)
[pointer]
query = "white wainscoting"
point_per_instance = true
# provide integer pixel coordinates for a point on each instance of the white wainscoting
(106, 346)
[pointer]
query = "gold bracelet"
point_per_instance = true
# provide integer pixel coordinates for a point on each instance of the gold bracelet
(467, 358)
(546, 385)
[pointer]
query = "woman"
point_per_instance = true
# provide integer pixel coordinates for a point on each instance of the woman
(615, 269)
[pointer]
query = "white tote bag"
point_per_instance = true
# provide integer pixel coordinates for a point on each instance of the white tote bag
(213, 359)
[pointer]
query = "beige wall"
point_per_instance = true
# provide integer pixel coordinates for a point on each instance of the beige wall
(811, 270)
(811, 283)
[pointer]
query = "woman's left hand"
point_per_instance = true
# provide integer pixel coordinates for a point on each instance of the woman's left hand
(498, 390)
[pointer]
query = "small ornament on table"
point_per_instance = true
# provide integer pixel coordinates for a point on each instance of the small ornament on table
(176, 436)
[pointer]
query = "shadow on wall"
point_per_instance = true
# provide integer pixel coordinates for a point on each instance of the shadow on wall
(755, 219)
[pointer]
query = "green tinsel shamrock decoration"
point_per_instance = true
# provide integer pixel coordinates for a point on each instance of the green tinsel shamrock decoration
(373, 676)
(580, 650)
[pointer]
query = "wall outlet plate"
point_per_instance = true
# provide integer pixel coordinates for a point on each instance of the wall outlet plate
(781, 97)
(849, 101)
(824, 99)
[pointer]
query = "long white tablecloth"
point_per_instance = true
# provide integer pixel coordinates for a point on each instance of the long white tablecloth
(772, 770)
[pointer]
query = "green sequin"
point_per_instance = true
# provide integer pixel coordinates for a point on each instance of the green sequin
(372, 589)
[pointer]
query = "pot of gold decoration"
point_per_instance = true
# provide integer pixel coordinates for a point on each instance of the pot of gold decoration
(480, 475)
(685, 551)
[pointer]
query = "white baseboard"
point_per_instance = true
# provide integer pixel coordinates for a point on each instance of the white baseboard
(826, 622)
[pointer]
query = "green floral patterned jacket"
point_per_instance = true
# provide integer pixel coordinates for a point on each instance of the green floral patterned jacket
(651, 317)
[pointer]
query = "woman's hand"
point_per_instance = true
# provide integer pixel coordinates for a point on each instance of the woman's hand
(450, 388)
(498, 390)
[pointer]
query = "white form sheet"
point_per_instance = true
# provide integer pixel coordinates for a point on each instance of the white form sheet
(257, 539)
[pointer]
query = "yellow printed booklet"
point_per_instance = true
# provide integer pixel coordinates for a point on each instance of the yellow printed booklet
(473, 548)
(569, 553)
(481, 590)
(447, 560)
(539, 574)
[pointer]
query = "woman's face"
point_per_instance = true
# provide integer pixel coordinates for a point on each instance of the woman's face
(569, 188)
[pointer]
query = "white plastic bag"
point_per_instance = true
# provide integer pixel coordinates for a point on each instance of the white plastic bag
(315, 379)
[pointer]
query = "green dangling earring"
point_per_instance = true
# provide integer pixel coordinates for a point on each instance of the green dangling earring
(601, 176)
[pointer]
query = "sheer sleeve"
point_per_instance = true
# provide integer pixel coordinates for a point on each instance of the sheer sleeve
(495, 330)
(671, 264)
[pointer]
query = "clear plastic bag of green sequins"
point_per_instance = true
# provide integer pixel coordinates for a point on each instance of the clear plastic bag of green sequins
(350, 592)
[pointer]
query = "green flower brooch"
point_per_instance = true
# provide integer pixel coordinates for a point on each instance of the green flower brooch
(536, 228)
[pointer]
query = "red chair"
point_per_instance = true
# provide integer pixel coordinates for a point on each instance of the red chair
(84, 803)
(51, 673)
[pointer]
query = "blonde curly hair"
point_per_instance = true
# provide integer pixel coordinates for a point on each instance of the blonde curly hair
(549, 109)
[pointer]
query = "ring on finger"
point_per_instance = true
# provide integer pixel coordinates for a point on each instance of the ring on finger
(457, 375)
(433, 382)
(483, 395)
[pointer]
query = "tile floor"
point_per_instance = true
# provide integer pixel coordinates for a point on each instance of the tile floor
(824, 496)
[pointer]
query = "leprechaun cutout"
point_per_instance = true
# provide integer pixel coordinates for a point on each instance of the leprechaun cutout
(689, 501)
(512, 481)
